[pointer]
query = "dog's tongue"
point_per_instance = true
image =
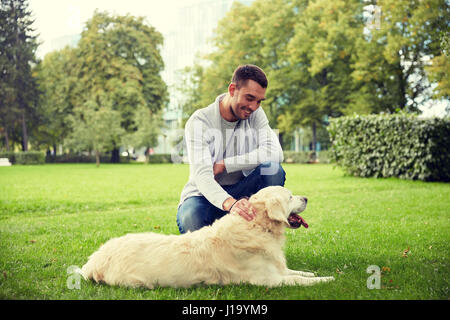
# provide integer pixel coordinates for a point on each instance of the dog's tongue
(296, 221)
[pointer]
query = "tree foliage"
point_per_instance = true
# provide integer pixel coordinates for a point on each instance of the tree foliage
(330, 58)
(391, 60)
(56, 101)
(18, 88)
(108, 87)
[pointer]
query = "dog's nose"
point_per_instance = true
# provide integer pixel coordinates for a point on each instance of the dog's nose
(305, 199)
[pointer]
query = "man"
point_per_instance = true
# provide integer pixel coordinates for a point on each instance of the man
(232, 153)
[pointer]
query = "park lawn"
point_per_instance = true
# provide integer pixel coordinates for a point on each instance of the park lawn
(54, 216)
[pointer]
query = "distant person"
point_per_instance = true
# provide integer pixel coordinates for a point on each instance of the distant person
(232, 153)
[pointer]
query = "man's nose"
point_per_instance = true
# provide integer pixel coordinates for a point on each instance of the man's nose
(253, 106)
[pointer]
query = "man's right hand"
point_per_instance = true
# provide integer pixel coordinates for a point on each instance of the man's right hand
(242, 207)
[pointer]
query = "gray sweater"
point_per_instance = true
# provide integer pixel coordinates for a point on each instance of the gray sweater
(248, 143)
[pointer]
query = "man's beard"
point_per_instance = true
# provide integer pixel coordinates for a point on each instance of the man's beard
(234, 114)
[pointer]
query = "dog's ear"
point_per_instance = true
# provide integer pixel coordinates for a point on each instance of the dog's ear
(277, 209)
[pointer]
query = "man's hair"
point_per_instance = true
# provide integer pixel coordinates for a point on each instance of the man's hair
(249, 72)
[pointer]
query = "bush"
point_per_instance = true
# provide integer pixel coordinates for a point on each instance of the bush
(27, 157)
(81, 158)
(305, 157)
(160, 158)
(399, 145)
(10, 155)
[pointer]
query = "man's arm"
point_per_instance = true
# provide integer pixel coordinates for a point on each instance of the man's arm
(203, 171)
(200, 163)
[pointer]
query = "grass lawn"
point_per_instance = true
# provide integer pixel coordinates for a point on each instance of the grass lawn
(54, 216)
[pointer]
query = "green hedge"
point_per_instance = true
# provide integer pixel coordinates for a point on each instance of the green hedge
(80, 158)
(398, 145)
(160, 158)
(305, 157)
(28, 157)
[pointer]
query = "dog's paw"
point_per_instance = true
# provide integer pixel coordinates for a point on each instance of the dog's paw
(327, 279)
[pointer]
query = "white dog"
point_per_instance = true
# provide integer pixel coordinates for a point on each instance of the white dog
(232, 250)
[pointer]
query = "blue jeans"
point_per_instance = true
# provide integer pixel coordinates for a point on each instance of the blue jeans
(197, 212)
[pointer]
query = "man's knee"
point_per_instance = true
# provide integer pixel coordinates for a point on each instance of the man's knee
(188, 219)
(195, 213)
(272, 173)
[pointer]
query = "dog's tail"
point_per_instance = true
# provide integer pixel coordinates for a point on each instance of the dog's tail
(86, 271)
(94, 268)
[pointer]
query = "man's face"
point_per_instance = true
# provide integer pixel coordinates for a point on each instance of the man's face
(247, 99)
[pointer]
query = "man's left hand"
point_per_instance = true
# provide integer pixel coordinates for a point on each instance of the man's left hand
(218, 167)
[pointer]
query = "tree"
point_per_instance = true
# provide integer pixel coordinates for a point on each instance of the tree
(189, 87)
(255, 34)
(439, 69)
(118, 67)
(285, 39)
(18, 89)
(320, 53)
(96, 129)
(56, 84)
(322, 59)
(391, 61)
(149, 127)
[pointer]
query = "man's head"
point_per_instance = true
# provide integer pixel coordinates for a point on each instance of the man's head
(247, 89)
(249, 72)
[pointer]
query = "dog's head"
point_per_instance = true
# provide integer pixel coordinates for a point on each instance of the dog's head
(281, 205)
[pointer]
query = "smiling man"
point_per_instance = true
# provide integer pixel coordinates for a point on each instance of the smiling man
(232, 152)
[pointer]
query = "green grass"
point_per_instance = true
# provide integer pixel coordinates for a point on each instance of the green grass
(55, 216)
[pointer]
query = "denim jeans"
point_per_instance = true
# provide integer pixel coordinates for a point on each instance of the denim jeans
(197, 212)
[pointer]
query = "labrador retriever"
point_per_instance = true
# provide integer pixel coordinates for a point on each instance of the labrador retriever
(230, 251)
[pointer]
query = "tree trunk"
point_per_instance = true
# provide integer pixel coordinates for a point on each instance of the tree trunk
(24, 133)
(402, 86)
(6, 138)
(115, 158)
(314, 142)
(147, 155)
(97, 158)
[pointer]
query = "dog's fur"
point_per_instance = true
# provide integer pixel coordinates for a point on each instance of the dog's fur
(232, 250)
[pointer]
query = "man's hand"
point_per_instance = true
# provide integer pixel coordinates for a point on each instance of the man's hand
(242, 207)
(218, 167)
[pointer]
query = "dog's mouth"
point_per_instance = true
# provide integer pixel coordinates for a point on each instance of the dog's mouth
(295, 221)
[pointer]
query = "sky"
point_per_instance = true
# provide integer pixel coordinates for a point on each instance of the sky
(58, 18)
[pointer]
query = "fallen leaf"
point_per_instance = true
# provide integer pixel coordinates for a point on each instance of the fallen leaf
(405, 253)
(32, 241)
